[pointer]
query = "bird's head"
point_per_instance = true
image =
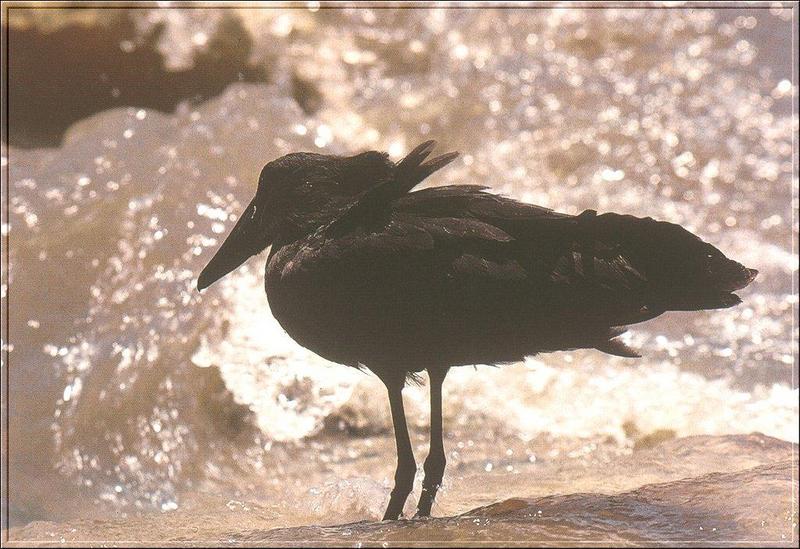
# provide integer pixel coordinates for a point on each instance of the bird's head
(296, 194)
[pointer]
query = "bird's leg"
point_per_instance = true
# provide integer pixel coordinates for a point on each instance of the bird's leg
(406, 466)
(436, 460)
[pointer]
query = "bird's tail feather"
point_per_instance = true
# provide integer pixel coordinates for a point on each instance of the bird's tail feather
(683, 272)
(702, 302)
(613, 345)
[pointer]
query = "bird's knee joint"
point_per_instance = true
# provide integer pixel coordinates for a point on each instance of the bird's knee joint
(403, 486)
(435, 463)
(404, 476)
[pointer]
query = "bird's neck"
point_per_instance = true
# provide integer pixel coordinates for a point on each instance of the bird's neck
(301, 224)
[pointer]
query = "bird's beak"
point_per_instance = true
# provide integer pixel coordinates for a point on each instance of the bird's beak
(248, 237)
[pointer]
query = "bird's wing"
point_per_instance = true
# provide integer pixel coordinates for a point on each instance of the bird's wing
(460, 286)
(553, 248)
(461, 244)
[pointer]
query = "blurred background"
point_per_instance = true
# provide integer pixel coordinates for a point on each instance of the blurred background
(135, 137)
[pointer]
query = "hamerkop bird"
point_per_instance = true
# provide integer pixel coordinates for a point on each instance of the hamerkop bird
(368, 274)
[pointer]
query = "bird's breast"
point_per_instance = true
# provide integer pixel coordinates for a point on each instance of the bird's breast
(301, 308)
(286, 301)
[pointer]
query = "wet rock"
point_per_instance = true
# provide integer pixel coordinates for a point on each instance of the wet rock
(59, 74)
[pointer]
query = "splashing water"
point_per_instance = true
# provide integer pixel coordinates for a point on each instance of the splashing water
(145, 394)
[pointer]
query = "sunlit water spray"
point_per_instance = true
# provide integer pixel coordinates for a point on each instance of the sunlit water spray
(163, 393)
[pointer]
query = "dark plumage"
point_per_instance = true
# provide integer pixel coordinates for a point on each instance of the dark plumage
(366, 273)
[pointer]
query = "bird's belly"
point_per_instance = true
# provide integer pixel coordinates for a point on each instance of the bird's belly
(391, 321)
(319, 322)
(346, 327)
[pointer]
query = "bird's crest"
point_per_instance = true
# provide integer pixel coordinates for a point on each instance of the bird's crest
(408, 173)
(413, 169)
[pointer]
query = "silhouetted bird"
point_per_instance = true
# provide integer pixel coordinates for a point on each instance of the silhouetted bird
(366, 273)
